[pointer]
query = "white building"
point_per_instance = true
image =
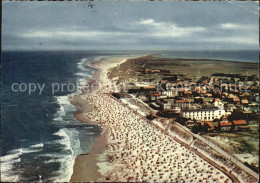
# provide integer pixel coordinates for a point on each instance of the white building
(205, 114)
(168, 93)
(219, 104)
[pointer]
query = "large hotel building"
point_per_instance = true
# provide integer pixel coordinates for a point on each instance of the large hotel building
(205, 114)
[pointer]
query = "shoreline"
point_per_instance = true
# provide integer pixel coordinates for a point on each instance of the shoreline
(86, 166)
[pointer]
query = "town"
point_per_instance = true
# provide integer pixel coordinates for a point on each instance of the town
(220, 102)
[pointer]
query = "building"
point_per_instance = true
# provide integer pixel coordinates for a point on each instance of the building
(231, 108)
(187, 94)
(168, 93)
(244, 102)
(225, 126)
(236, 100)
(224, 95)
(205, 114)
(168, 104)
(244, 95)
(198, 100)
(233, 99)
(147, 89)
(246, 114)
(240, 125)
(154, 96)
(235, 125)
(181, 103)
(218, 103)
(207, 126)
(176, 109)
(164, 104)
(207, 95)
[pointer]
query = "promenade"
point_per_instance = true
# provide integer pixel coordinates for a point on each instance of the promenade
(175, 139)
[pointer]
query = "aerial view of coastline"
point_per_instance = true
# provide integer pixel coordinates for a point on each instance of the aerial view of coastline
(130, 92)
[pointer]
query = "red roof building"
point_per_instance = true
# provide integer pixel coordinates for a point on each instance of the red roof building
(239, 122)
(240, 125)
(155, 94)
(225, 124)
(236, 99)
(208, 125)
(149, 87)
(244, 127)
(244, 101)
(181, 101)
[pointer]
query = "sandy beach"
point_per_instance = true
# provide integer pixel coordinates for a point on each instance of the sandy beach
(86, 165)
(131, 149)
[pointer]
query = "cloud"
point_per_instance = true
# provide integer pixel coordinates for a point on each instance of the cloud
(147, 21)
(237, 26)
(216, 25)
(143, 28)
(229, 26)
(64, 34)
(75, 34)
(167, 29)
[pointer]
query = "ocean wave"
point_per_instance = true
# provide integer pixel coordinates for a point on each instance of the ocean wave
(89, 127)
(64, 107)
(7, 166)
(90, 133)
(60, 149)
(81, 64)
(37, 145)
(83, 72)
(8, 169)
(30, 149)
(60, 112)
(58, 118)
(69, 138)
(63, 100)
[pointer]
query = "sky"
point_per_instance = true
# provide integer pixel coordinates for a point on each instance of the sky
(130, 26)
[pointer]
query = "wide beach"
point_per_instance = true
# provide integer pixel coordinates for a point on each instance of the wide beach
(86, 165)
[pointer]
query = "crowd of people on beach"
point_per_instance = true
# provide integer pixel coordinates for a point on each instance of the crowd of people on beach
(140, 152)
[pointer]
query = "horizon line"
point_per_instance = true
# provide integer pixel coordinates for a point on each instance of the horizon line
(105, 50)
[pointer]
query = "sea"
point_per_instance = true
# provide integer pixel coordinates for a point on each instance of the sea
(40, 139)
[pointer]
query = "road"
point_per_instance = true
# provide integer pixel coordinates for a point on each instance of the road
(222, 152)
